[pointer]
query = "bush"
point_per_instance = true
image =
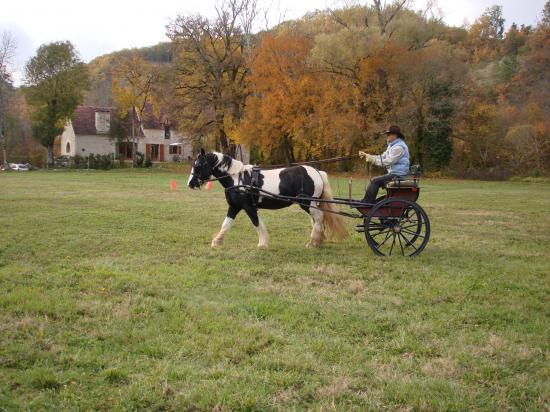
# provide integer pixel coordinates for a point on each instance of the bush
(103, 162)
(139, 159)
(483, 174)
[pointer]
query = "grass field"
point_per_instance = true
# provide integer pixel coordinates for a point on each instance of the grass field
(112, 299)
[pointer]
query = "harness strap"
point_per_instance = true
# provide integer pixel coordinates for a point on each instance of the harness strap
(255, 183)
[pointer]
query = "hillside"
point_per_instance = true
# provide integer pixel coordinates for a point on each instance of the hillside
(101, 68)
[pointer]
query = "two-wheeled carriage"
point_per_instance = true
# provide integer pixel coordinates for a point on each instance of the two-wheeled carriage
(394, 224)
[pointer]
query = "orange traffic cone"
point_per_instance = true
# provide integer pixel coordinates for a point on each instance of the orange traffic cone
(208, 186)
(173, 185)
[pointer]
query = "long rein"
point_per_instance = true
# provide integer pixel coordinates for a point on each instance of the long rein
(311, 162)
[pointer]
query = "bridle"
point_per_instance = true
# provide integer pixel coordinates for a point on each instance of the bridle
(203, 181)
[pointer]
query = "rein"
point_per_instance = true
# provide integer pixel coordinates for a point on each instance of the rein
(311, 162)
(282, 165)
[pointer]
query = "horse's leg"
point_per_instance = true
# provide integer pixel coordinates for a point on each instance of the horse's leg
(226, 225)
(317, 235)
(252, 213)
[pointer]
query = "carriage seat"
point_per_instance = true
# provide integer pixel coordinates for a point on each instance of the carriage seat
(409, 181)
(402, 183)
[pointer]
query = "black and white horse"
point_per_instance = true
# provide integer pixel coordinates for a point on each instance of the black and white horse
(290, 181)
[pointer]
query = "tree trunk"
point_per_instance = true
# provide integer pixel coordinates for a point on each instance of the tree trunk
(5, 156)
(4, 149)
(134, 146)
(289, 148)
(222, 136)
(49, 156)
(224, 142)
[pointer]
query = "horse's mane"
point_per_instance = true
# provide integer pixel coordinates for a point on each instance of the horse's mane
(229, 164)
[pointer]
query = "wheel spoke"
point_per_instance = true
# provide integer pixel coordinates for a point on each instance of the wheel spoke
(385, 240)
(400, 244)
(413, 225)
(377, 227)
(409, 243)
(392, 244)
(404, 208)
(380, 233)
(410, 232)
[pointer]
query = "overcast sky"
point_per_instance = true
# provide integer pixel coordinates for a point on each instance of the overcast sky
(100, 26)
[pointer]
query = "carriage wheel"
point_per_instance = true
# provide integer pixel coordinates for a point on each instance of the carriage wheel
(397, 226)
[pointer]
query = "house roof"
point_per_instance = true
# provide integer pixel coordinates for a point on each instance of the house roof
(151, 120)
(84, 121)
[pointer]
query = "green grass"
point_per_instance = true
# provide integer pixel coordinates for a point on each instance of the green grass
(112, 299)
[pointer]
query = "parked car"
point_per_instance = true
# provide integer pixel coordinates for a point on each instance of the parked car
(18, 167)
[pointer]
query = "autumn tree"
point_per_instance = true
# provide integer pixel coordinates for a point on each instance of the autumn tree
(135, 82)
(528, 142)
(210, 61)
(56, 80)
(486, 33)
(277, 110)
(386, 14)
(529, 134)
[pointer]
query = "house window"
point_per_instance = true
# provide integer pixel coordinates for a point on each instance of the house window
(174, 149)
(167, 131)
(68, 148)
(102, 122)
(125, 150)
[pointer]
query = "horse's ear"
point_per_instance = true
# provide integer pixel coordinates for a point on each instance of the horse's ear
(202, 151)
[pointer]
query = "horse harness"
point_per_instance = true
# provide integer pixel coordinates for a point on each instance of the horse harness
(255, 184)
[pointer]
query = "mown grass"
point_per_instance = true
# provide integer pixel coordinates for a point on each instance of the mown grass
(112, 299)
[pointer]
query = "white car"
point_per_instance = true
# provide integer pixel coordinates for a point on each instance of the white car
(18, 167)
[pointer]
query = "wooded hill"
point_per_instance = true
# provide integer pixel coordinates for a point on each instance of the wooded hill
(472, 101)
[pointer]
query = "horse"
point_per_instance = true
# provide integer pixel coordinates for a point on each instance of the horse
(292, 181)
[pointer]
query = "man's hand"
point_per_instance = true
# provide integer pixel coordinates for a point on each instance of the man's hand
(368, 157)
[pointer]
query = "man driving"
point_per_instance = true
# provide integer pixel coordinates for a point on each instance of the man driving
(395, 159)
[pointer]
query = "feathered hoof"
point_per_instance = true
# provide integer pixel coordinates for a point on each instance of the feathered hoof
(313, 245)
(263, 247)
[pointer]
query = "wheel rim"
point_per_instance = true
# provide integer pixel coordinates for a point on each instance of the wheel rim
(405, 233)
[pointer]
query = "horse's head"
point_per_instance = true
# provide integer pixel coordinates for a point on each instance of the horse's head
(201, 171)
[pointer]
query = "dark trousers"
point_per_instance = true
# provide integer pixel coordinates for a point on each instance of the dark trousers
(375, 184)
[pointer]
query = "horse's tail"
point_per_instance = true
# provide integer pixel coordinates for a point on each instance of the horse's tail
(332, 221)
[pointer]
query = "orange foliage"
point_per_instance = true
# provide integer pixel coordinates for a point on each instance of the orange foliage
(294, 110)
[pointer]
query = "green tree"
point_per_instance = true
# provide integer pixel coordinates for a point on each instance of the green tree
(56, 80)
(437, 141)
(545, 21)
(486, 34)
(496, 21)
(120, 130)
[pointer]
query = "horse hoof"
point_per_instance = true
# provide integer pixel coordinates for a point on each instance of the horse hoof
(313, 244)
(215, 244)
(263, 247)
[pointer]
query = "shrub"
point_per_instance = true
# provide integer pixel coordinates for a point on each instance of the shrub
(139, 159)
(103, 162)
